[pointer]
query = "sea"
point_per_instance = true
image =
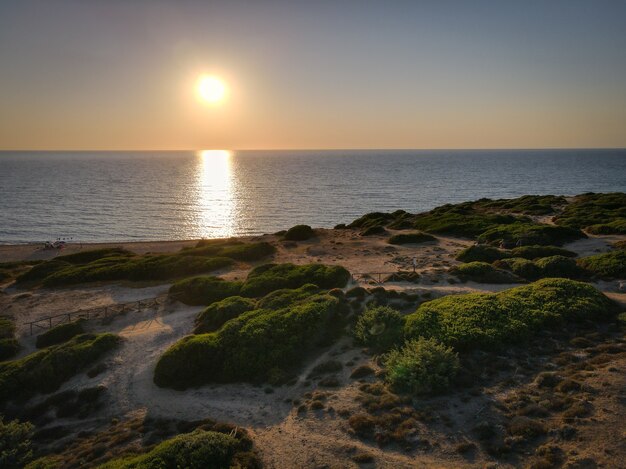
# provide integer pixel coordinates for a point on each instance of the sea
(141, 196)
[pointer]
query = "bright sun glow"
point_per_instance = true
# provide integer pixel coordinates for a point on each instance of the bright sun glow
(211, 89)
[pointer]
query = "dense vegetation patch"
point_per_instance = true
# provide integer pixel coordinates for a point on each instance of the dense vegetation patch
(597, 213)
(15, 444)
(483, 272)
(461, 220)
(299, 233)
(287, 296)
(46, 370)
(373, 231)
(215, 315)
(84, 257)
(59, 334)
(203, 290)
(486, 320)
(527, 204)
(232, 249)
(379, 327)
(536, 252)
(9, 346)
(197, 450)
(608, 265)
(411, 238)
(521, 267)
(269, 277)
(41, 271)
(528, 233)
(375, 219)
(481, 253)
(421, 366)
(257, 345)
(559, 266)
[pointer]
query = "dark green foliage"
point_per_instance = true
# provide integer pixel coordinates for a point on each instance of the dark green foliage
(491, 319)
(481, 253)
(411, 238)
(299, 233)
(203, 290)
(9, 346)
(374, 230)
(596, 209)
(84, 257)
(421, 366)
(620, 244)
(535, 252)
(372, 220)
(527, 204)
(161, 267)
(526, 233)
(59, 334)
(46, 370)
(197, 450)
(285, 297)
(521, 267)
(356, 292)
(483, 273)
(559, 266)
(15, 444)
(380, 327)
(215, 315)
(267, 278)
(255, 346)
(41, 271)
(231, 249)
(461, 220)
(608, 265)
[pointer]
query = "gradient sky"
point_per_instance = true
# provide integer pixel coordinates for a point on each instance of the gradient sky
(113, 74)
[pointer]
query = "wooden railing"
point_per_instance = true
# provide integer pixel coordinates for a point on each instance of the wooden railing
(99, 312)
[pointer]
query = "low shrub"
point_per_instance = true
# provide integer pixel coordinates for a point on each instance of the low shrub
(605, 212)
(484, 320)
(255, 346)
(559, 266)
(9, 346)
(380, 327)
(231, 249)
(483, 273)
(269, 277)
(615, 227)
(84, 257)
(217, 314)
(299, 233)
(15, 444)
(411, 238)
(620, 244)
(536, 252)
(203, 290)
(46, 370)
(41, 271)
(372, 219)
(421, 366)
(330, 366)
(59, 334)
(521, 267)
(528, 233)
(287, 296)
(374, 230)
(609, 265)
(197, 450)
(481, 253)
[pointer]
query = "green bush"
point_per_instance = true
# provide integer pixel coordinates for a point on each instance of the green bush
(411, 238)
(615, 227)
(84, 257)
(559, 266)
(15, 444)
(267, 278)
(481, 253)
(197, 450)
(46, 370)
(609, 265)
(286, 296)
(595, 209)
(41, 271)
(536, 252)
(521, 267)
(483, 273)
(59, 334)
(527, 204)
(299, 233)
(422, 366)
(215, 315)
(203, 290)
(379, 327)
(530, 233)
(490, 319)
(255, 346)
(373, 219)
(9, 346)
(231, 249)
(373, 231)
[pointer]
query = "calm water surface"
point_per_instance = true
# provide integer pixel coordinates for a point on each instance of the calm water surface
(122, 196)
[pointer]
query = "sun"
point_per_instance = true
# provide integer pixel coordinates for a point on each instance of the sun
(211, 89)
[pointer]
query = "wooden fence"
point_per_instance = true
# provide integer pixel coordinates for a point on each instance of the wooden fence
(375, 276)
(99, 312)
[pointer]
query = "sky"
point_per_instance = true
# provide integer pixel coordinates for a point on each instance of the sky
(114, 74)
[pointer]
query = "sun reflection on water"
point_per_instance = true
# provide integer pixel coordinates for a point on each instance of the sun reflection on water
(216, 204)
